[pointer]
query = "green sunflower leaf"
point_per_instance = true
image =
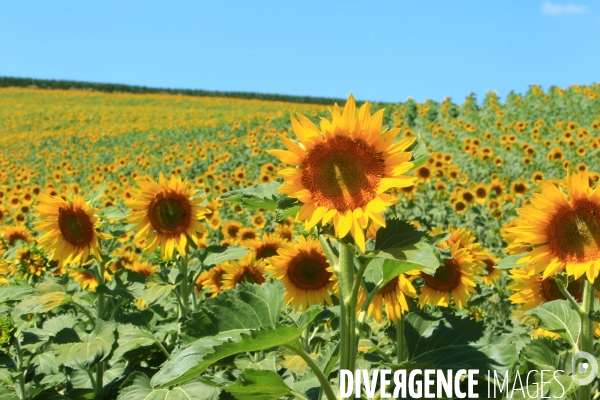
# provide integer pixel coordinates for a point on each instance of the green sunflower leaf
(397, 234)
(259, 385)
(192, 360)
(248, 306)
(93, 347)
(510, 262)
(239, 320)
(41, 303)
(557, 316)
(137, 387)
(215, 255)
(132, 337)
(260, 196)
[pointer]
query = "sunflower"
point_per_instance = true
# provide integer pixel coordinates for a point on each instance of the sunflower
(537, 176)
(346, 167)
(305, 273)
(4, 213)
(265, 248)
(247, 234)
(519, 188)
(70, 229)
(27, 263)
(394, 293)
(85, 278)
(142, 267)
(514, 245)
(531, 290)
(564, 231)
(423, 173)
(480, 193)
(246, 269)
(259, 221)
(493, 274)
(465, 239)
(13, 233)
(455, 277)
(212, 280)
(459, 206)
(285, 232)
(3, 271)
(231, 230)
(166, 214)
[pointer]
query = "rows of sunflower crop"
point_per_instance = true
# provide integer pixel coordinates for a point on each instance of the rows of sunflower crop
(162, 245)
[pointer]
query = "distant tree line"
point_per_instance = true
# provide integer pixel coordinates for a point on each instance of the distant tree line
(6, 81)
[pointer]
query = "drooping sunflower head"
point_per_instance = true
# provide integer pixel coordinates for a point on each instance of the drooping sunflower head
(563, 229)
(305, 273)
(455, 277)
(342, 170)
(70, 229)
(86, 279)
(166, 214)
(531, 290)
(394, 295)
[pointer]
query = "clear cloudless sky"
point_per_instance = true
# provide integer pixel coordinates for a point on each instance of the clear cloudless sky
(379, 50)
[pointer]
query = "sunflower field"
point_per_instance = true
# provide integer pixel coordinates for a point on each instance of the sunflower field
(171, 246)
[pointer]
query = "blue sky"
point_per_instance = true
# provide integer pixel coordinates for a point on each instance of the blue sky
(379, 50)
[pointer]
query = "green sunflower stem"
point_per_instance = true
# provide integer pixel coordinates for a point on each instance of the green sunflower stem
(101, 309)
(297, 348)
(183, 286)
(400, 347)
(587, 331)
(347, 308)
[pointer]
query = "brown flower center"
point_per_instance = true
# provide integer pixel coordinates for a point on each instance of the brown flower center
(232, 230)
(489, 265)
(170, 213)
(389, 287)
(266, 250)
(251, 275)
(574, 232)
(549, 290)
(13, 237)
(308, 270)
(446, 277)
(75, 225)
(342, 173)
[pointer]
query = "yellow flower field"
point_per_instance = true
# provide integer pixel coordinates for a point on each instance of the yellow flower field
(143, 229)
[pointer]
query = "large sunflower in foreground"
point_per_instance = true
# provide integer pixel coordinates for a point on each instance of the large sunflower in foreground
(563, 229)
(342, 170)
(456, 277)
(166, 214)
(394, 293)
(70, 229)
(305, 272)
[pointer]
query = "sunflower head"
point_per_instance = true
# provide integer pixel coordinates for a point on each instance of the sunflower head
(562, 229)
(246, 269)
(305, 273)
(70, 229)
(14, 233)
(166, 214)
(394, 295)
(342, 169)
(455, 277)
